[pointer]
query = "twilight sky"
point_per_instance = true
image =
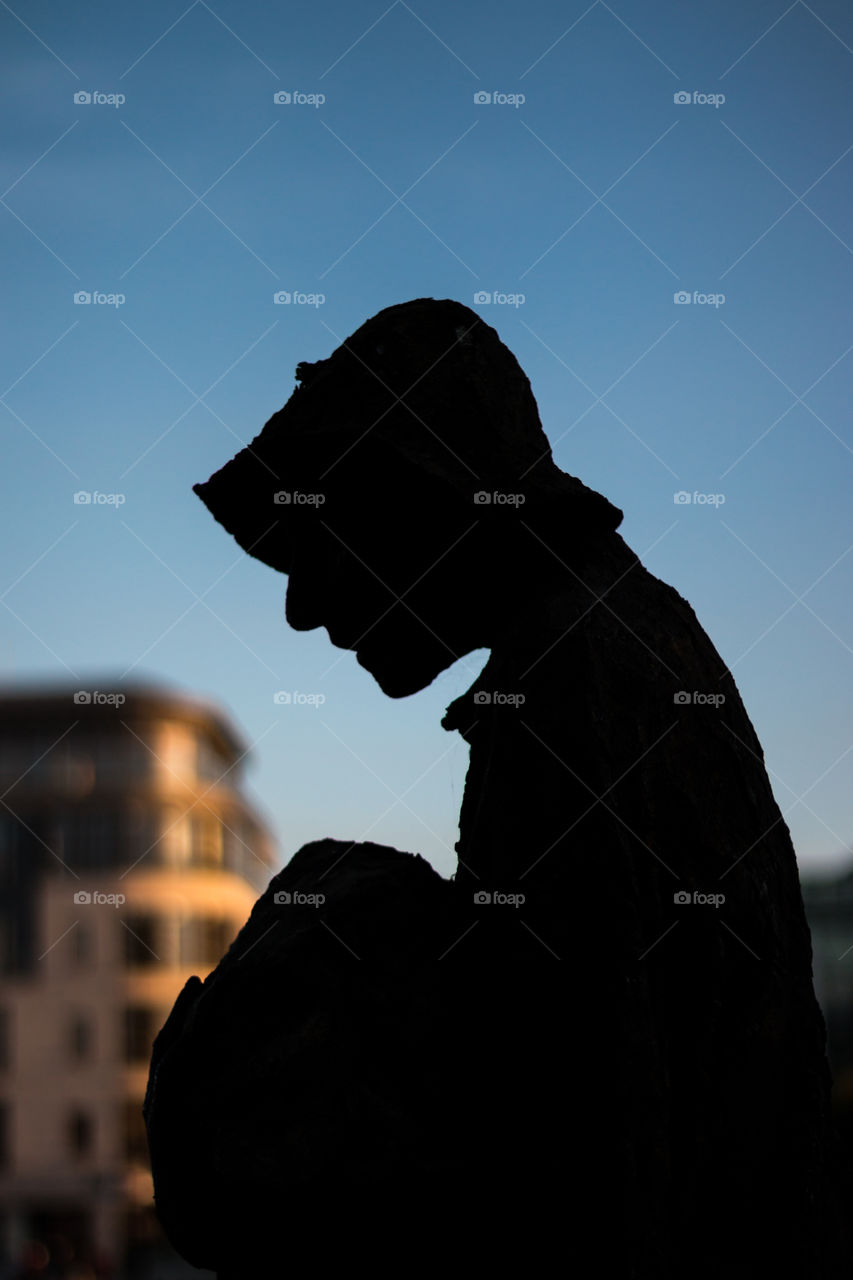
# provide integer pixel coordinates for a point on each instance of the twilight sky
(650, 203)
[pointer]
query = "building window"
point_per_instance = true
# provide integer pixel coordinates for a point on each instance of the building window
(141, 835)
(80, 1039)
(9, 846)
(90, 838)
(217, 936)
(211, 764)
(207, 841)
(135, 1135)
(121, 759)
(81, 1134)
(175, 748)
(204, 941)
(141, 1025)
(84, 944)
(175, 843)
(243, 848)
(236, 837)
(140, 941)
(26, 753)
(10, 944)
(5, 1136)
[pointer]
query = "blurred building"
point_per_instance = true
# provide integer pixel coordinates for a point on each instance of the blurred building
(129, 860)
(829, 908)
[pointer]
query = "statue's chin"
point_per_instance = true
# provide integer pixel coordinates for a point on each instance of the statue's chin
(401, 672)
(394, 680)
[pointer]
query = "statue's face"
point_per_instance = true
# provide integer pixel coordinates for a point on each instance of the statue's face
(399, 429)
(386, 592)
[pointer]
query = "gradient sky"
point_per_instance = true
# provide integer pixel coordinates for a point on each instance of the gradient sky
(598, 198)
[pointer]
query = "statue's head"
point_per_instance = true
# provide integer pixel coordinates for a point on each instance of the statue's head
(404, 487)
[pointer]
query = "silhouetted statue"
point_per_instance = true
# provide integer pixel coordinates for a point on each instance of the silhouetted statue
(600, 1040)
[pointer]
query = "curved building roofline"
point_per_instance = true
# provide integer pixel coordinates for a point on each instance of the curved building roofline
(48, 699)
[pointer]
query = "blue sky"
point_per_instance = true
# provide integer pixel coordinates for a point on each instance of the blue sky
(586, 208)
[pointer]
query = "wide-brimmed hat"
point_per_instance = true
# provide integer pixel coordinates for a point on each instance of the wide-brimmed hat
(425, 392)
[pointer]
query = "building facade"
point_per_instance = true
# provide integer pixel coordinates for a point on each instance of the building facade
(130, 858)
